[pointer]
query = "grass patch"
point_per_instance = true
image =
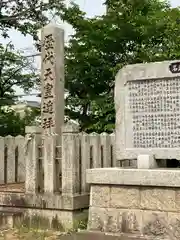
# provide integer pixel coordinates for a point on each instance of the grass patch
(32, 233)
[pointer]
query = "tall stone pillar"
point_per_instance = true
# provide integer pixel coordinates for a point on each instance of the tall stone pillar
(52, 105)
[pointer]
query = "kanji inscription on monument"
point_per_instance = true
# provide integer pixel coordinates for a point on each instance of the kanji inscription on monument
(155, 108)
(52, 103)
(148, 110)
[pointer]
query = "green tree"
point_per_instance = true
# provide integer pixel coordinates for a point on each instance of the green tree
(15, 71)
(11, 123)
(26, 16)
(132, 31)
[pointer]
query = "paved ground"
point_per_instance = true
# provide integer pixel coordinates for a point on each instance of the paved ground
(26, 234)
(96, 236)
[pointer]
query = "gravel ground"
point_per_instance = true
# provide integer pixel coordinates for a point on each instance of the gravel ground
(27, 234)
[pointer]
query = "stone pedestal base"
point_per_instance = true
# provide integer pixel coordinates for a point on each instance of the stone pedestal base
(140, 202)
(46, 211)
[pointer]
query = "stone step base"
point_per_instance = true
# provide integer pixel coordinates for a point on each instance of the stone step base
(10, 217)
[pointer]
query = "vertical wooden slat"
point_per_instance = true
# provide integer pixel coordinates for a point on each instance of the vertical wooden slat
(106, 149)
(113, 152)
(40, 168)
(95, 146)
(2, 169)
(85, 161)
(20, 144)
(58, 163)
(10, 142)
(5, 162)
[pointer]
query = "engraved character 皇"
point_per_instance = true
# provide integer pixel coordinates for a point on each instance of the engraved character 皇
(48, 91)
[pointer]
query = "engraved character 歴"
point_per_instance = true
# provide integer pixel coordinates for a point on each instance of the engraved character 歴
(48, 45)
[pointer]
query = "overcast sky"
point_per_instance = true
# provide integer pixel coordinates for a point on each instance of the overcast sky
(91, 7)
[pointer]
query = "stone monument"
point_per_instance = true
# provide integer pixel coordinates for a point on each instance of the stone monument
(52, 104)
(52, 68)
(147, 99)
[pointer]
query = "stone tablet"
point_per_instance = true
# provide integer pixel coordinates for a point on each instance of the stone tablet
(147, 99)
(52, 79)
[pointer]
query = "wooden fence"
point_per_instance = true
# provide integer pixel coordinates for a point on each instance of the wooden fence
(92, 151)
(12, 159)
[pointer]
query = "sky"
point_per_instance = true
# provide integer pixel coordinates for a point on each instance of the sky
(91, 7)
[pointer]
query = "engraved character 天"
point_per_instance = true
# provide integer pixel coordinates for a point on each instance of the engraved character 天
(48, 75)
(48, 91)
(47, 123)
(48, 45)
(48, 107)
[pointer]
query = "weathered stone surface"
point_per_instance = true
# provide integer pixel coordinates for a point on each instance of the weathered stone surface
(44, 201)
(154, 224)
(146, 162)
(70, 161)
(52, 76)
(139, 90)
(173, 228)
(52, 103)
(105, 220)
(124, 197)
(158, 199)
(113, 221)
(131, 221)
(96, 221)
(100, 196)
(33, 140)
(134, 177)
(177, 197)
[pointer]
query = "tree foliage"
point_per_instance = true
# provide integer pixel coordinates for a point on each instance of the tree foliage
(11, 123)
(131, 32)
(26, 17)
(15, 71)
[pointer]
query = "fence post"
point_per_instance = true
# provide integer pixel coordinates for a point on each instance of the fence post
(33, 139)
(105, 150)
(85, 160)
(10, 143)
(50, 178)
(113, 151)
(20, 146)
(2, 167)
(95, 146)
(70, 159)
